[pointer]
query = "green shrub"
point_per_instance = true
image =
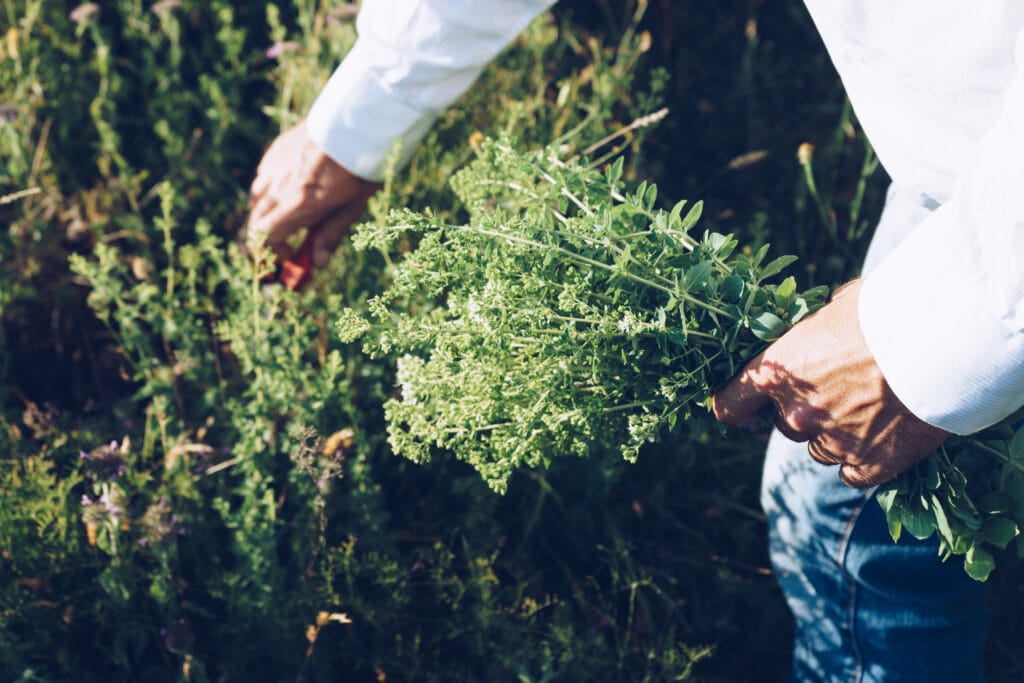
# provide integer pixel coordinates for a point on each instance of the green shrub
(195, 482)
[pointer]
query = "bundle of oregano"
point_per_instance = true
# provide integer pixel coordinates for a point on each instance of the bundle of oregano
(569, 315)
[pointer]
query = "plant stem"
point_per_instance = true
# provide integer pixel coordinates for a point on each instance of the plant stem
(579, 258)
(980, 445)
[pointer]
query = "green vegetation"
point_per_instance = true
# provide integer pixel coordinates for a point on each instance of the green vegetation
(195, 479)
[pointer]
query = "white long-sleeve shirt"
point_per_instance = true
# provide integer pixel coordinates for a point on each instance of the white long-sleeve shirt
(940, 93)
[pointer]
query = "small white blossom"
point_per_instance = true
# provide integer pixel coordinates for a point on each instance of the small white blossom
(409, 369)
(473, 308)
(630, 324)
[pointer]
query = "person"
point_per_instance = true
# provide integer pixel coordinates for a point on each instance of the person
(928, 342)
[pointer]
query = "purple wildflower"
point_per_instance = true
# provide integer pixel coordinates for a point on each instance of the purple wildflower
(281, 47)
(103, 462)
(84, 12)
(164, 7)
(112, 509)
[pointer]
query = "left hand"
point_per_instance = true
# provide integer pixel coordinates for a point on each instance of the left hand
(829, 392)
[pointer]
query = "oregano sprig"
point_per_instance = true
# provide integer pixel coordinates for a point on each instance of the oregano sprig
(564, 316)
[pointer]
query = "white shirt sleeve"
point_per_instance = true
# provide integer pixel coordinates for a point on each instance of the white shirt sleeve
(943, 314)
(412, 59)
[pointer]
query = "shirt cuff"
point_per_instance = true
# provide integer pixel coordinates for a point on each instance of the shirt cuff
(357, 120)
(950, 359)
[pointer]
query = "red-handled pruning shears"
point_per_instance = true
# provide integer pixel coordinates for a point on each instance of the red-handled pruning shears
(296, 272)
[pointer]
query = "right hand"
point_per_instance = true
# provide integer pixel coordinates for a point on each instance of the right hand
(297, 185)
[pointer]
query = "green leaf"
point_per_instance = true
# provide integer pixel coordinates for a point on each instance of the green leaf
(677, 335)
(895, 526)
(692, 216)
(652, 196)
(979, 563)
(731, 288)
(999, 531)
(767, 326)
(776, 266)
(887, 497)
(995, 503)
(785, 292)
(676, 212)
(614, 172)
(797, 310)
(1016, 446)
(816, 295)
(918, 523)
(965, 515)
(960, 544)
(641, 190)
(758, 257)
(941, 521)
(697, 276)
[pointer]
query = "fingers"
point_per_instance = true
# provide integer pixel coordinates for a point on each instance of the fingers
(258, 189)
(857, 478)
(268, 172)
(786, 423)
(747, 393)
(818, 452)
(278, 221)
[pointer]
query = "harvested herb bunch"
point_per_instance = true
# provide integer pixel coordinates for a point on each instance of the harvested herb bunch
(565, 316)
(568, 315)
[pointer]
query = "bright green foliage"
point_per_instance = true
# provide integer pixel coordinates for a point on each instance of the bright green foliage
(574, 315)
(971, 493)
(177, 514)
(167, 508)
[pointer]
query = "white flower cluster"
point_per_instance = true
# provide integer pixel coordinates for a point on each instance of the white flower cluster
(630, 325)
(408, 374)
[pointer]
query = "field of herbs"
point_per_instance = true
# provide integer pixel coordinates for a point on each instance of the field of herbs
(202, 474)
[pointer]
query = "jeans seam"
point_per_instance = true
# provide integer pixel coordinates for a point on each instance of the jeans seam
(851, 605)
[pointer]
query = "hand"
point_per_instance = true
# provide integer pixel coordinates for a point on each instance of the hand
(297, 185)
(829, 392)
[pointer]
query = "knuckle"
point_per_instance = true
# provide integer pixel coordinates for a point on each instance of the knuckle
(792, 421)
(856, 477)
(822, 455)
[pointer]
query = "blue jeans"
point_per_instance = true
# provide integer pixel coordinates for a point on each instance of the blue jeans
(866, 609)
